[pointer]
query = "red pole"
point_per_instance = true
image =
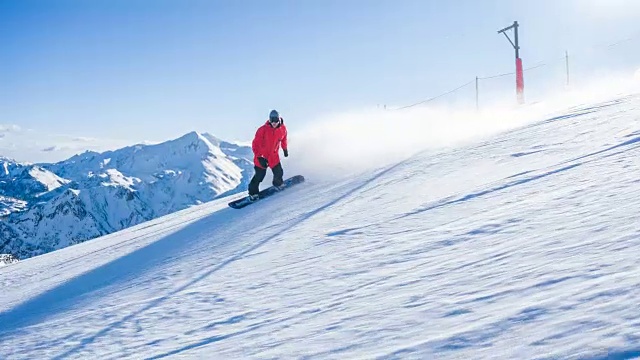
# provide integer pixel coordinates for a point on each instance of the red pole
(519, 80)
(519, 69)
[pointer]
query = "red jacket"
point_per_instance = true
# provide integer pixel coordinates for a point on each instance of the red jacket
(267, 143)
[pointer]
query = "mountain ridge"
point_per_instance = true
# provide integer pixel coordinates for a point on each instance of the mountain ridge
(45, 207)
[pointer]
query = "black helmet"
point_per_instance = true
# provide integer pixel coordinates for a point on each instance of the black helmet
(274, 116)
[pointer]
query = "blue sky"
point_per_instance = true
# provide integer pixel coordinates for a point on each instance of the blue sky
(138, 70)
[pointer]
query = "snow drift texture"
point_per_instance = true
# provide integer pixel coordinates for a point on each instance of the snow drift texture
(522, 245)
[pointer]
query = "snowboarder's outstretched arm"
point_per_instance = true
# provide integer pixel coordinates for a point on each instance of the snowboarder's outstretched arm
(258, 143)
(285, 145)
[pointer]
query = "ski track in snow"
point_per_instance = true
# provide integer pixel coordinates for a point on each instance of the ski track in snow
(522, 246)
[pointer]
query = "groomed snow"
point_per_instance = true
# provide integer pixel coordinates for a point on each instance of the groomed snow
(522, 246)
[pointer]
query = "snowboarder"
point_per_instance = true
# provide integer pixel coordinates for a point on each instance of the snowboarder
(266, 147)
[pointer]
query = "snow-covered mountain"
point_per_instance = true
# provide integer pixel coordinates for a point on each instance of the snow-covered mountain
(51, 206)
(520, 246)
(23, 183)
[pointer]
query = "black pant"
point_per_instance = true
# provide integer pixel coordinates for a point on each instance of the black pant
(254, 185)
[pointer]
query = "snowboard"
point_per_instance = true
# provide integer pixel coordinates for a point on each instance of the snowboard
(242, 202)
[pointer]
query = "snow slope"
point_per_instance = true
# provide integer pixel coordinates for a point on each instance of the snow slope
(521, 246)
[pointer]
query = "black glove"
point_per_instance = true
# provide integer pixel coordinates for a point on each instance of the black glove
(286, 152)
(263, 162)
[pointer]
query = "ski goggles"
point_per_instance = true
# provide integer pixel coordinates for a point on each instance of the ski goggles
(274, 120)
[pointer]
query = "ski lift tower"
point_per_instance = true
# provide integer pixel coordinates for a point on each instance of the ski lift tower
(519, 69)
